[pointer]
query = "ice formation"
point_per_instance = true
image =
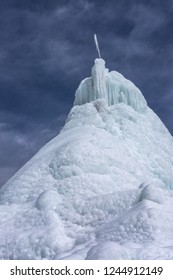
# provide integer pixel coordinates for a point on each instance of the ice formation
(101, 189)
(111, 86)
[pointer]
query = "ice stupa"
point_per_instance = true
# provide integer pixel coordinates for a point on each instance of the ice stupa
(101, 189)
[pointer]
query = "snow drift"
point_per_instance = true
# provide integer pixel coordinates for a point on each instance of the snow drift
(101, 189)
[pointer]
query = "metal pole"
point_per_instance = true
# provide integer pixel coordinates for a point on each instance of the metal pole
(97, 45)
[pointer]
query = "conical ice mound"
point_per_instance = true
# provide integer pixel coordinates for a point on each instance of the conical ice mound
(101, 189)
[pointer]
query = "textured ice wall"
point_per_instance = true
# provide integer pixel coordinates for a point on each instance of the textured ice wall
(111, 86)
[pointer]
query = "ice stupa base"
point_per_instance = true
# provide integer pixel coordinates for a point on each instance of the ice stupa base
(101, 189)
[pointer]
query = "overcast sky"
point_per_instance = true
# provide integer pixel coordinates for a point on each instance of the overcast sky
(47, 48)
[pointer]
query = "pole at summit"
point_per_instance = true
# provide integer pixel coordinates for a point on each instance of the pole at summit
(97, 45)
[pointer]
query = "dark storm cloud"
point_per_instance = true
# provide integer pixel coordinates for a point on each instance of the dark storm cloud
(46, 48)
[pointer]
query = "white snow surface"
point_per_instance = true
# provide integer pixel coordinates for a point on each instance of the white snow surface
(101, 189)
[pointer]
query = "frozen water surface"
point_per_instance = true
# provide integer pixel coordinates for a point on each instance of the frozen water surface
(101, 189)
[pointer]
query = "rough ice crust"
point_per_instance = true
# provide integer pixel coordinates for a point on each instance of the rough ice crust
(101, 189)
(111, 86)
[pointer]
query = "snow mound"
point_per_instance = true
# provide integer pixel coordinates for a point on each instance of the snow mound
(101, 189)
(106, 251)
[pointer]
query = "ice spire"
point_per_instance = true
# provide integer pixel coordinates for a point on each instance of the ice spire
(94, 87)
(98, 79)
(110, 86)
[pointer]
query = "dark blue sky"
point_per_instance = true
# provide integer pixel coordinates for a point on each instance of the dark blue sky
(47, 47)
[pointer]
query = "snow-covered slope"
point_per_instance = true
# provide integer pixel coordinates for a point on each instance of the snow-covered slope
(101, 189)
